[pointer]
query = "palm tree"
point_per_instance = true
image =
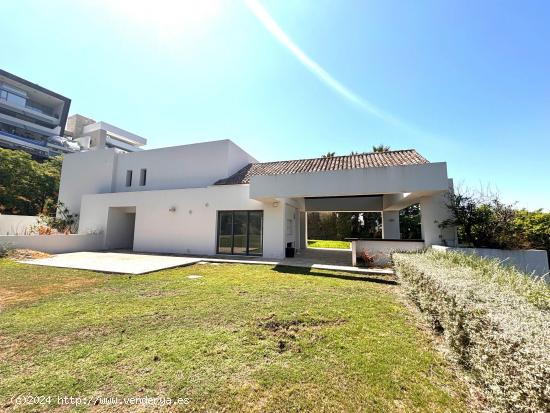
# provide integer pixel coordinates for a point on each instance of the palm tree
(381, 148)
(329, 155)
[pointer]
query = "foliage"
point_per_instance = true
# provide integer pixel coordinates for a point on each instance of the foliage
(409, 222)
(5, 248)
(381, 148)
(341, 225)
(241, 338)
(494, 319)
(483, 221)
(28, 187)
(319, 243)
(62, 222)
(534, 227)
(329, 155)
(368, 258)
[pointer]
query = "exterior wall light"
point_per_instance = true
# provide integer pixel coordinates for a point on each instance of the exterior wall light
(275, 204)
(172, 209)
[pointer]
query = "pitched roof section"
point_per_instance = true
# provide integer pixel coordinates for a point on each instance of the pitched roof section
(336, 163)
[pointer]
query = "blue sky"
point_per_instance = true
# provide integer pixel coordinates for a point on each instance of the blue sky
(466, 82)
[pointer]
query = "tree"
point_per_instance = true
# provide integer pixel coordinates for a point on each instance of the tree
(409, 222)
(28, 187)
(381, 148)
(535, 226)
(342, 225)
(483, 221)
(329, 155)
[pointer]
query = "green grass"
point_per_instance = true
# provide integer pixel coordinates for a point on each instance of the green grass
(320, 243)
(241, 338)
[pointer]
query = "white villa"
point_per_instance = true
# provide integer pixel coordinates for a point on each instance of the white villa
(214, 198)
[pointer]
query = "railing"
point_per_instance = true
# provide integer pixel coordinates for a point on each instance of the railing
(27, 140)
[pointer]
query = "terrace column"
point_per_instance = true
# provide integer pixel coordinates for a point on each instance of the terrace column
(390, 225)
(433, 211)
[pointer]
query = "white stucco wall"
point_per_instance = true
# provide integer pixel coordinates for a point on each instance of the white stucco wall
(390, 225)
(16, 224)
(291, 225)
(433, 211)
(55, 244)
(86, 173)
(187, 166)
(191, 228)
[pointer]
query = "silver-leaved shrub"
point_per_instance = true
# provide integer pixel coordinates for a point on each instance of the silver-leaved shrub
(495, 319)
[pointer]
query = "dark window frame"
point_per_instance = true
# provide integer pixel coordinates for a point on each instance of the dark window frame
(129, 177)
(232, 211)
(143, 177)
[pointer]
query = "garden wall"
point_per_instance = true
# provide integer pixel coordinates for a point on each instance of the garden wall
(16, 224)
(55, 244)
(528, 261)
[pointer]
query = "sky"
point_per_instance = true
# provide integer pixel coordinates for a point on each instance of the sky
(465, 82)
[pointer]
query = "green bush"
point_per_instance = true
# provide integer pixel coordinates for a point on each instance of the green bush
(495, 320)
(5, 249)
(535, 227)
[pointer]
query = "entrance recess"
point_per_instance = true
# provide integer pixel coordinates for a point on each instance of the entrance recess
(121, 223)
(240, 232)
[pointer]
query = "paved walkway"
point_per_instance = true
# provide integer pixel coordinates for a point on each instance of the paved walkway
(320, 258)
(127, 262)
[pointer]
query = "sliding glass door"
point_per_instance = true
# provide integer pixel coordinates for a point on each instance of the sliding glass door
(240, 232)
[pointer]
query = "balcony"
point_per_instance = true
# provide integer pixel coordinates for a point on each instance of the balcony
(27, 110)
(17, 142)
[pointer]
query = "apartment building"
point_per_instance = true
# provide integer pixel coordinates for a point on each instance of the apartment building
(92, 135)
(32, 118)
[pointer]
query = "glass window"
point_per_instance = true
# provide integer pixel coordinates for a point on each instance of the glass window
(240, 232)
(128, 178)
(225, 232)
(255, 236)
(143, 177)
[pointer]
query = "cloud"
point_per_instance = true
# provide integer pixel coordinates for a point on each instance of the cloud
(325, 77)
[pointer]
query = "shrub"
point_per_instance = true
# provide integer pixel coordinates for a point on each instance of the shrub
(495, 320)
(483, 221)
(64, 222)
(368, 258)
(5, 249)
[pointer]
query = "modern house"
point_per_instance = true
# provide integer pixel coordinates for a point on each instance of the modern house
(92, 135)
(215, 198)
(32, 118)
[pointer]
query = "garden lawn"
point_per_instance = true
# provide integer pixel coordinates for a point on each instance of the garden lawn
(320, 243)
(241, 337)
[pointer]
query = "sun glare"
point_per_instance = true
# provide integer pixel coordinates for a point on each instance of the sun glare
(166, 17)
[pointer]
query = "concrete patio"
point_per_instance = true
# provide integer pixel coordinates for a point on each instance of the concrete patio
(114, 262)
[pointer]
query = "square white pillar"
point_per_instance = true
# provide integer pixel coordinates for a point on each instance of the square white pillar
(390, 225)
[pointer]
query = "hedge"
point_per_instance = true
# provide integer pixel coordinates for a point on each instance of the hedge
(495, 320)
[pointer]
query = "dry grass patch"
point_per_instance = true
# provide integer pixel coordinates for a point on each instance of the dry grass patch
(22, 284)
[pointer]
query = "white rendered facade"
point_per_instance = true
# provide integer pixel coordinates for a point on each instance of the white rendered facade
(92, 135)
(176, 207)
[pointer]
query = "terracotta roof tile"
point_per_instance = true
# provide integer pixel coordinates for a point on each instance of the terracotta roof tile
(336, 163)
